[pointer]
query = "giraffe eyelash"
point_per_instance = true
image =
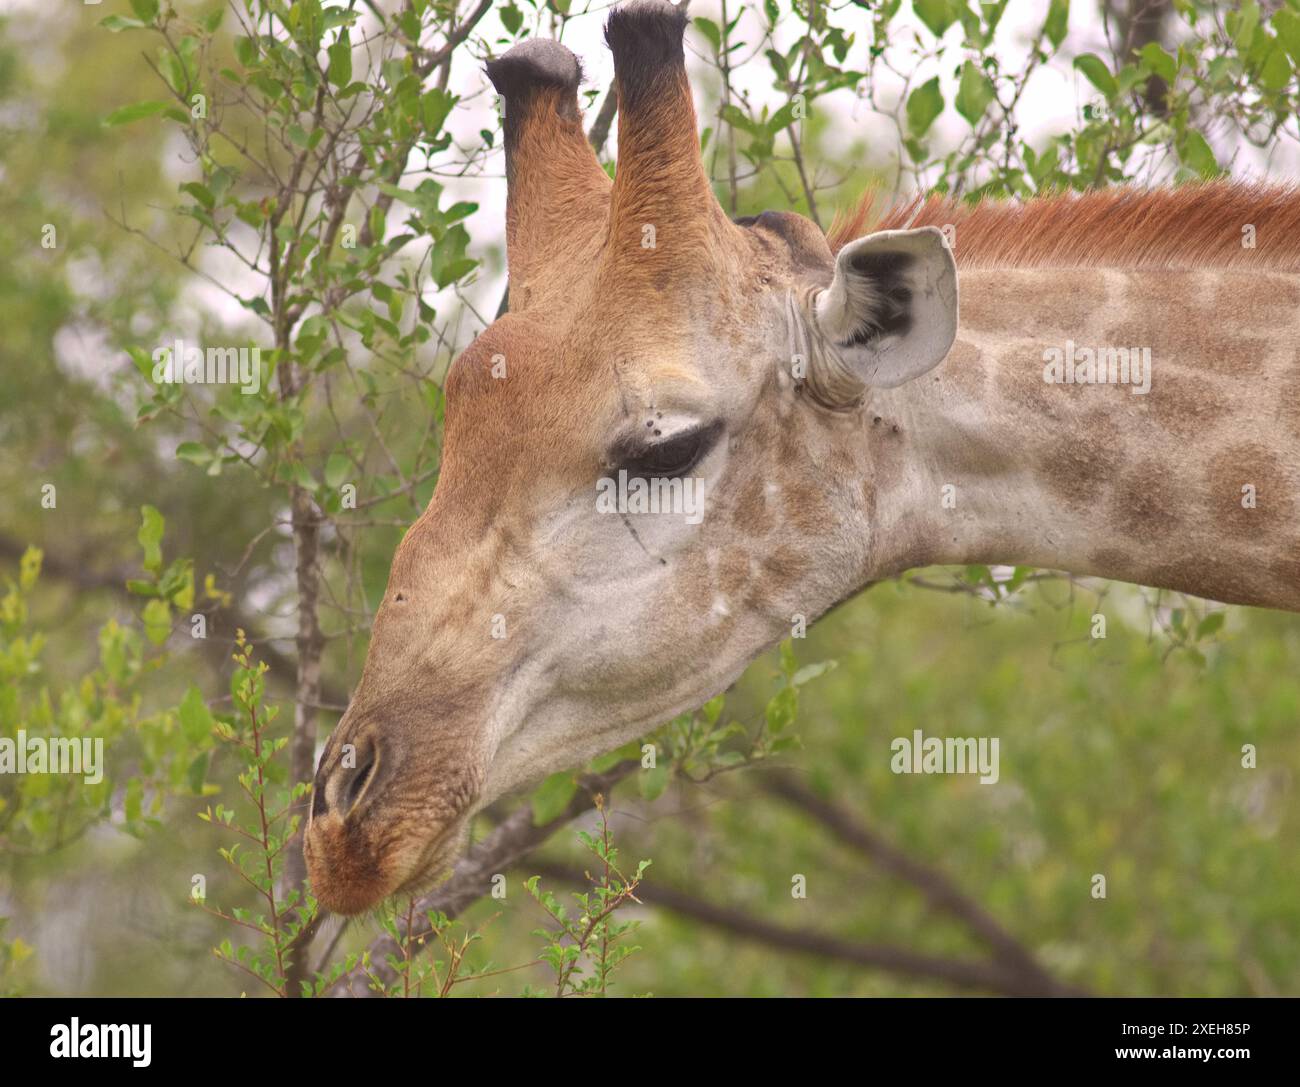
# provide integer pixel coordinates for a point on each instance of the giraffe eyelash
(674, 456)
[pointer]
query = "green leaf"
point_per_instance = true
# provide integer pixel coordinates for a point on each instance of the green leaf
(338, 17)
(611, 759)
(146, 10)
(132, 801)
(810, 672)
(1020, 573)
(1196, 154)
(937, 15)
(710, 30)
(29, 567)
(974, 93)
(781, 710)
(150, 537)
(194, 453)
(201, 193)
(1287, 25)
(553, 796)
(1275, 72)
(115, 24)
(246, 50)
(340, 58)
(137, 112)
(512, 19)
(157, 616)
(173, 70)
(924, 105)
(1058, 22)
(1211, 624)
(780, 66)
(177, 584)
(652, 783)
(1163, 64)
(448, 262)
(196, 719)
(434, 109)
(712, 709)
(1243, 23)
(781, 119)
(1095, 71)
(337, 468)
(737, 118)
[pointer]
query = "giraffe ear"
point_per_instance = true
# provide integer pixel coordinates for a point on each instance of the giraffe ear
(890, 313)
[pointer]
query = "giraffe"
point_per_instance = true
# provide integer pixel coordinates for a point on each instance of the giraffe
(845, 423)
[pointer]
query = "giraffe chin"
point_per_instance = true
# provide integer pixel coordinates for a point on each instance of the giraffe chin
(435, 866)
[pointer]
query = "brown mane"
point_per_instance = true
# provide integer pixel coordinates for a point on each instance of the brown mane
(1192, 226)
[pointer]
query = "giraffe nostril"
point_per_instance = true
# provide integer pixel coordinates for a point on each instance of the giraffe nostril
(360, 779)
(318, 805)
(342, 786)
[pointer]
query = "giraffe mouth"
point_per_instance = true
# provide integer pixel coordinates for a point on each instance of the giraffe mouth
(436, 861)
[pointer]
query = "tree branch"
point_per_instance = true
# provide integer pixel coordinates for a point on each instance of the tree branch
(604, 120)
(938, 889)
(985, 977)
(454, 39)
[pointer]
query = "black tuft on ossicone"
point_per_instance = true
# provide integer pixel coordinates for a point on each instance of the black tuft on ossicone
(538, 62)
(529, 67)
(645, 37)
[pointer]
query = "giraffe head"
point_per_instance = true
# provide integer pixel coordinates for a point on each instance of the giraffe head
(656, 354)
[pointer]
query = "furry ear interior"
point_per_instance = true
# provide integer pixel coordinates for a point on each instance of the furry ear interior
(890, 313)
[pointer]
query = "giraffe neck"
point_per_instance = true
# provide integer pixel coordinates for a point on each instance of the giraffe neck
(1191, 485)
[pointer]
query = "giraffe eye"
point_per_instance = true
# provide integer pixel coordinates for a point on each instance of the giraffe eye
(674, 456)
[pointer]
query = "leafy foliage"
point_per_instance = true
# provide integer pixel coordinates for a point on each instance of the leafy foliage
(591, 933)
